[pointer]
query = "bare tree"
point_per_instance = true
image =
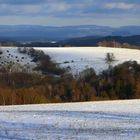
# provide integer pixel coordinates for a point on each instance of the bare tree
(110, 58)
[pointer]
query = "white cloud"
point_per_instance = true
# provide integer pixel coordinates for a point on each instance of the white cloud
(66, 12)
(57, 7)
(47, 8)
(123, 6)
(19, 9)
(52, 8)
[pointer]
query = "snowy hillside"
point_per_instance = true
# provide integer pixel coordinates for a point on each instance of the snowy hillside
(79, 59)
(111, 120)
(11, 56)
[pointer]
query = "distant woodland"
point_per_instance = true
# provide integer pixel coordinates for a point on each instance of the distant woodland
(107, 41)
(52, 84)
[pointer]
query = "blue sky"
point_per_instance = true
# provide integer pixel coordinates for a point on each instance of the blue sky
(70, 12)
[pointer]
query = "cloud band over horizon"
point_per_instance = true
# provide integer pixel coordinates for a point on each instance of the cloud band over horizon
(70, 12)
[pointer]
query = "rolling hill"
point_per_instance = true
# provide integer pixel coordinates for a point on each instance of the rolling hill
(94, 40)
(76, 58)
(46, 33)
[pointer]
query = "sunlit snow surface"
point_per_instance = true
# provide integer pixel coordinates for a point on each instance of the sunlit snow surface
(111, 120)
(11, 56)
(87, 57)
(76, 58)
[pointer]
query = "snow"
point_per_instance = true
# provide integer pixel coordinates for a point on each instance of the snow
(14, 55)
(108, 120)
(90, 57)
(76, 58)
(11, 56)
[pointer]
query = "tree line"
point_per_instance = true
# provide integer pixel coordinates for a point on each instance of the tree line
(119, 82)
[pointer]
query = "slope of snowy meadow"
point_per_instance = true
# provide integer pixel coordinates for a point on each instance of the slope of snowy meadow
(11, 56)
(110, 120)
(75, 58)
(80, 58)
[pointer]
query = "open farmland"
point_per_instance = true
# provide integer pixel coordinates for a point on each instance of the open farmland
(78, 58)
(119, 120)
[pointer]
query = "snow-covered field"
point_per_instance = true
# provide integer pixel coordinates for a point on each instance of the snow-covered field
(11, 56)
(76, 58)
(87, 57)
(110, 120)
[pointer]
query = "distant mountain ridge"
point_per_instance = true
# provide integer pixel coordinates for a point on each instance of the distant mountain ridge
(47, 33)
(93, 41)
(108, 41)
